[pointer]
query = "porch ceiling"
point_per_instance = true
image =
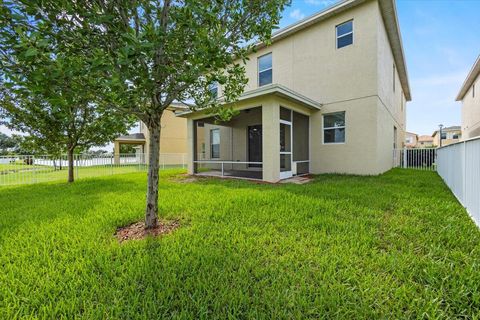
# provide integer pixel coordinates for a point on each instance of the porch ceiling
(135, 138)
(272, 89)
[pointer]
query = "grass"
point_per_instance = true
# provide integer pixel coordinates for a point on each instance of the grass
(392, 246)
(12, 174)
(19, 173)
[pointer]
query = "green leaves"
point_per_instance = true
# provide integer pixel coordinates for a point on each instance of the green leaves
(31, 52)
(51, 80)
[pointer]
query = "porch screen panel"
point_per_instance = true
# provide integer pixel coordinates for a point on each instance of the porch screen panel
(301, 142)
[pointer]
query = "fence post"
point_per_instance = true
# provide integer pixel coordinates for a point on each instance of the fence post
(34, 170)
(222, 169)
(464, 173)
(404, 158)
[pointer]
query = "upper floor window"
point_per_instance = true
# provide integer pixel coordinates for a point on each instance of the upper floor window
(344, 34)
(334, 127)
(213, 88)
(265, 70)
(215, 143)
(443, 135)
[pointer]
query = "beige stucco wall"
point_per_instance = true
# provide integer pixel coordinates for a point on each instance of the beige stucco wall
(471, 112)
(173, 135)
(309, 63)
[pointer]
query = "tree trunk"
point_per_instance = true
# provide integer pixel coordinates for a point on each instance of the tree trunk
(151, 211)
(70, 165)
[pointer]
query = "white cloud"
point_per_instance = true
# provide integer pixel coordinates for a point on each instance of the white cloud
(297, 14)
(7, 131)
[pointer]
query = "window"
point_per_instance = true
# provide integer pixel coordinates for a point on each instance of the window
(334, 128)
(394, 78)
(443, 136)
(215, 143)
(265, 70)
(456, 136)
(344, 34)
(213, 88)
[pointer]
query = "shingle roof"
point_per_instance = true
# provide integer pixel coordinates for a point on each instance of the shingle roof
(425, 138)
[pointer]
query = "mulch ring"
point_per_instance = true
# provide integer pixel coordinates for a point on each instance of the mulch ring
(137, 231)
(185, 178)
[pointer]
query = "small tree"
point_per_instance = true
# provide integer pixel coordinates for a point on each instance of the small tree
(6, 144)
(160, 51)
(49, 88)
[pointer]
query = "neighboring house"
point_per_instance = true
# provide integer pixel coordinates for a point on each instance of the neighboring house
(411, 139)
(470, 96)
(449, 135)
(425, 141)
(173, 135)
(328, 95)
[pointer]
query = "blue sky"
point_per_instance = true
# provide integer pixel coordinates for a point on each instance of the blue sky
(441, 41)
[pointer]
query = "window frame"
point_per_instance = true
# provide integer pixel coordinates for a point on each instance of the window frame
(344, 35)
(260, 71)
(330, 128)
(211, 143)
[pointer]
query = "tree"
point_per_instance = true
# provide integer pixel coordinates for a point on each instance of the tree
(49, 88)
(160, 51)
(127, 148)
(6, 143)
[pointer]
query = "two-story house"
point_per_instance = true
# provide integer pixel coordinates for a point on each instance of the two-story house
(173, 139)
(425, 141)
(411, 139)
(469, 95)
(448, 136)
(328, 95)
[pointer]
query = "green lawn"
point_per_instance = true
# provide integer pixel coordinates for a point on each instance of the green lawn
(11, 174)
(393, 246)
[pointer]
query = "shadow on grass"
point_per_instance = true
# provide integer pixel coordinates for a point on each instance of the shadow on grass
(44, 202)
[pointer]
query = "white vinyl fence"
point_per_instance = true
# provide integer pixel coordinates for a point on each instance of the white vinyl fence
(27, 169)
(420, 159)
(459, 167)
